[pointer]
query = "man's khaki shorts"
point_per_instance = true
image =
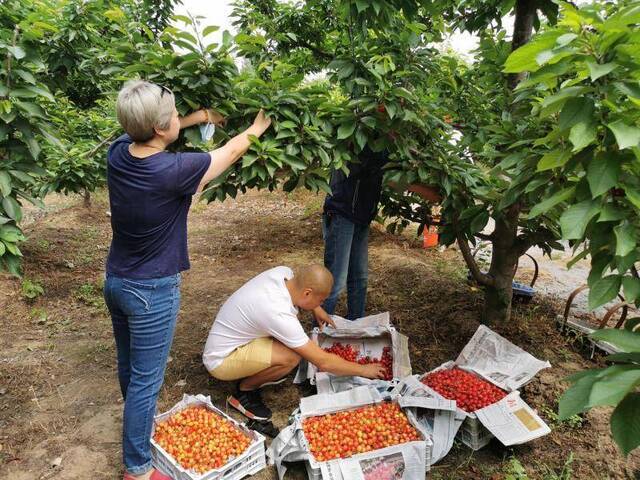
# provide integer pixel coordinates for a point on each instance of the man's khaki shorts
(246, 360)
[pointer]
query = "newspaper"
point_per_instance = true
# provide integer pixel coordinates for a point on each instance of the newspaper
(406, 461)
(326, 382)
(499, 361)
(506, 365)
(368, 335)
(439, 417)
(512, 421)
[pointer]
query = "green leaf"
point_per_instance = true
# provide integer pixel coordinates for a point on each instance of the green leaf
(110, 70)
(294, 162)
(633, 357)
(17, 51)
(12, 264)
(602, 174)
(361, 137)
(631, 288)
(577, 258)
(210, 29)
(574, 220)
(613, 385)
(480, 221)
(26, 76)
(610, 213)
(597, 70)
(5, 184)
(623, 339)
(346, 71)
(524, 58)
(576, 110)
(632, 195)
(576, 398)
(626, 135)
(625, 423)
(552, 201)
(563, 94)
(346, 130)
(22, 93)
(603, 290)
(12, 208)
(582, 135)
(554, 159)
(183, 18)
(369, 122)
(625, 239)
(632, 324)
(227, 38)
(566, 39)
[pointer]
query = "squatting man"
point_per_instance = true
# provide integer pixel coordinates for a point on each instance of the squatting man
(257, 339)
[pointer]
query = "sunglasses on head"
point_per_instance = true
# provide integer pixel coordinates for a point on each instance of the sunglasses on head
(164, 89)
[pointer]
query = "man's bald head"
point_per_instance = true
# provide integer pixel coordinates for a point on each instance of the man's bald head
(315, 277)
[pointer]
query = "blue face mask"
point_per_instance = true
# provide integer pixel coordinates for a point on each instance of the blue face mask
(207, 131)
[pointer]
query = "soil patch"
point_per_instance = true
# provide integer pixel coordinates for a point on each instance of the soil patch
(60, 407)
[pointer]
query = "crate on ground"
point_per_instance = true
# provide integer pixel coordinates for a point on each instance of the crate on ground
(368, 339)
(251, 461)
(473, 434)
(497, 361)
(408, 460)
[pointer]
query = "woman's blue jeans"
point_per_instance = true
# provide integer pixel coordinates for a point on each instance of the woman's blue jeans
(143, 313)
(346, 255)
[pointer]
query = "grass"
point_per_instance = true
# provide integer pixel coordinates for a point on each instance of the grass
(31, 289)
(573, 422)
(90, 294)
(312, 206)
(516, 471)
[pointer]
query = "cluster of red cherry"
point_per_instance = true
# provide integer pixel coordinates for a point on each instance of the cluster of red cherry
(352, 355)
(470, 392)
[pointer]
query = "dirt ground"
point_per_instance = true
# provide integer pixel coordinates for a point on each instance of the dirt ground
(60, 406)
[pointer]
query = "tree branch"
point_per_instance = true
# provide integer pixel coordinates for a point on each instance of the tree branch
(9, 55)
(102, 143)
(522, 31)
(481, 278)
(484, 236)
(317, 51)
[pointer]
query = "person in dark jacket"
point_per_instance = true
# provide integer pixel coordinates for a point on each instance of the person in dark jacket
(348, 212)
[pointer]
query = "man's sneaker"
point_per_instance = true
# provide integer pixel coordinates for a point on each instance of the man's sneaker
(266, 428)
(250, 404)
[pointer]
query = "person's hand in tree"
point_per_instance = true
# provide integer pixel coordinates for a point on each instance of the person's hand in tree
(261, 122)
(215, 117)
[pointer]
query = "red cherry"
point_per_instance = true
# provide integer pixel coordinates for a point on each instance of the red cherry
(470, 392)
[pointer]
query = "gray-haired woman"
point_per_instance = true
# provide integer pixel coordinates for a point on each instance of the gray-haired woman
(150, 193)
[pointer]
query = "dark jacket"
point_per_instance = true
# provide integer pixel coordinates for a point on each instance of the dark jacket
(356, 196)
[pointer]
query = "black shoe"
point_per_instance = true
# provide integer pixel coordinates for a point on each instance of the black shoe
(266, 428)
(250, 404)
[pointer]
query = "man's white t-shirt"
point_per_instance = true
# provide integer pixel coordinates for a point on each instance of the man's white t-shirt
(262, 307)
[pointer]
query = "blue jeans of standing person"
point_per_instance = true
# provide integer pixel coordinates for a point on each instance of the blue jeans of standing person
(143, 313)
(346, 255)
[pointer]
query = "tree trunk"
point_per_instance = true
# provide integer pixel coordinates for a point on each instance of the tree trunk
(87, 198)
(504, 261)
(522, 31)
(506, 250)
